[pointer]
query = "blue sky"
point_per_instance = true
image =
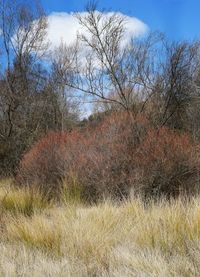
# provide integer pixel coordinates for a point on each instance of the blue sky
(179, 19)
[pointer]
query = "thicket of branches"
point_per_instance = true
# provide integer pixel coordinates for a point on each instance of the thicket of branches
(116, 157)
(43, 89)
(32, 101)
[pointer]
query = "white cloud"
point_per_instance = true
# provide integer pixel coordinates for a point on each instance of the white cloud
(64, 27)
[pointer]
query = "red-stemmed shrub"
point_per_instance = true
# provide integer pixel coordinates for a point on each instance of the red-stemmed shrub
(119, 154)
(167, 163)
(44, 163)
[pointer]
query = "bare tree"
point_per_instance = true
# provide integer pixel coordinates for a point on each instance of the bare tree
(63, 60)
(22, 42)
(108, 70)
(178, 80)
(23, 30)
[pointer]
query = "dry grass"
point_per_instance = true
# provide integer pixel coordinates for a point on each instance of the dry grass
(24, 201)
(131, 239)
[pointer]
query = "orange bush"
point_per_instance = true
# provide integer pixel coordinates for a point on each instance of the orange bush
(119, 154)
(44, 163)
(165, 160)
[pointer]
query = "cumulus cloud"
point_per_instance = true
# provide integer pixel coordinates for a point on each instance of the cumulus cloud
(64, 27)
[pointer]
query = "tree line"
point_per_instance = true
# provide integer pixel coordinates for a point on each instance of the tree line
(43, 89)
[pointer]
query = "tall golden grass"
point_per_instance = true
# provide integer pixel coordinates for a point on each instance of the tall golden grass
(106, 239)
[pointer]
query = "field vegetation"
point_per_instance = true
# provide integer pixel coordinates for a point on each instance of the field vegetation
(116, 193)
(41, 238)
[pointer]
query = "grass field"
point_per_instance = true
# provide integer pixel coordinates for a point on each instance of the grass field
(41, 238)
